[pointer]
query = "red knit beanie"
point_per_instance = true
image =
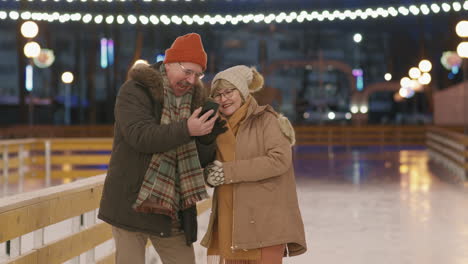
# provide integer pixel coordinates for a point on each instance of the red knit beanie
(187, 48)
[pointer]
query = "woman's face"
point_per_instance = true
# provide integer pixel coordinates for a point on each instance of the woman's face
(229, 100)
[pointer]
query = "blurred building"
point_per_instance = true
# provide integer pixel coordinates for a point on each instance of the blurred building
(314, 67)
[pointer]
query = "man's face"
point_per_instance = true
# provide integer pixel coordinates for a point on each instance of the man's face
(182, 76)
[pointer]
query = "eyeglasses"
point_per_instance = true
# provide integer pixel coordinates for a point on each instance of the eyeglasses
(227, 94)
(189, 72)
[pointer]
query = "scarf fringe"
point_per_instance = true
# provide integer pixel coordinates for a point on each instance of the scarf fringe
(157, 206)
(154, 210)
(194, 199)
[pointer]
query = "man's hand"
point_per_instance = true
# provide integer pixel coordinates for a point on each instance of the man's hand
(199, 126)
(218, 128)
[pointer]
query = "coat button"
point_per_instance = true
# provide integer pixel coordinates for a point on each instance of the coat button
(252, 222)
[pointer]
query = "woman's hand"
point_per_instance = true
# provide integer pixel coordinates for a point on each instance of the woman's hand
(214, 173)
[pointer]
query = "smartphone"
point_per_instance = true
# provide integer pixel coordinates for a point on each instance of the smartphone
(209, 105)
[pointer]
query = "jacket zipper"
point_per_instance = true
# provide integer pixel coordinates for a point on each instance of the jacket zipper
(234, 188)
(233, 203)
(234, 195)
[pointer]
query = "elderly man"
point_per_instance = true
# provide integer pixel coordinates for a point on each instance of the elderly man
(161, 144)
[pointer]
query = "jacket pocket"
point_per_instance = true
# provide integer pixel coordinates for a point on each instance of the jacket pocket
(269, 184)
(133, 189)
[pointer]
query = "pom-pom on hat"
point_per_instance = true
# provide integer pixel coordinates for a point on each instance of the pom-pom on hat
(187, 48)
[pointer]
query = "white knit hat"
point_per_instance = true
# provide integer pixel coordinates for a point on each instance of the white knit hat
(246, 80)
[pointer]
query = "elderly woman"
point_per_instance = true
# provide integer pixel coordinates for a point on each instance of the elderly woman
(255, 217)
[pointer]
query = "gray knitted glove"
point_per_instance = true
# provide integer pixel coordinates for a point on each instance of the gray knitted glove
(214, 173)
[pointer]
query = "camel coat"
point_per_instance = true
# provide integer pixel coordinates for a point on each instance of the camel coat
(265, 205)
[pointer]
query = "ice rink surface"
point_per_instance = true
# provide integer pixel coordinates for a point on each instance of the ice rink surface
(363, 206)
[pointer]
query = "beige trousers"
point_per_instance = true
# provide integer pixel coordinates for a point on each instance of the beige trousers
(130, 248)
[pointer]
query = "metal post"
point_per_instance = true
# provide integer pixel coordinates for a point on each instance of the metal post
(90, 220)
(76, 224)
(382, 140)
(29, 86)
(38, 238)
(67, 103)
(47, 153)
(465, 107)
(5, 170)
(3, 250)
(356, 168)
(15, 247)
(348, 139)
(465, 95)
(21, 168)
(399, 137)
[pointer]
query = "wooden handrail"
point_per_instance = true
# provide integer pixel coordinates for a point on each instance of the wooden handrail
(67, 248)
(458, 137)
(53, 158)
(449, 150)
(49, 205)
(351, 136)
(41, 131)
(49, 131)
(8, 142)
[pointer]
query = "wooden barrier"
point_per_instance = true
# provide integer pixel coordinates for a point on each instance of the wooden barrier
(57, 158)
(360, 135)
(33, 211)
(449, 150)
(16, 161)
(370, 135)
(71, 158)
(48, 131)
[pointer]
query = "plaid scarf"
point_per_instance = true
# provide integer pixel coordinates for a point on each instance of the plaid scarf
(174, 179)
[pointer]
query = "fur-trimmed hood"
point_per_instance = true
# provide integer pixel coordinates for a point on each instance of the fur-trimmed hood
(150, 78)
(287, 129)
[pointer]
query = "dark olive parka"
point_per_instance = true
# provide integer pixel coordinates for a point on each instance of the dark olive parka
(137, 135)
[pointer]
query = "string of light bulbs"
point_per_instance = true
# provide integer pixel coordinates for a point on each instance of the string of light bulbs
(301, 17)
(109, 1)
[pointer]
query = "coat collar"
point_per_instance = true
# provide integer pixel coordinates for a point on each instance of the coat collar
(151, 78)
(256, 110)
